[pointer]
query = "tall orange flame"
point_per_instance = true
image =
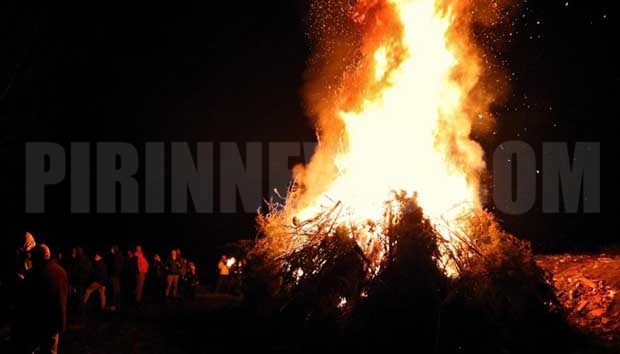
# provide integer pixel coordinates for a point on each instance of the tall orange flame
(395, 102)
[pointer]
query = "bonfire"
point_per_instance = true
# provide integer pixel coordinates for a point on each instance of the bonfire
(396, 121)
(388, 210)
(385, 224)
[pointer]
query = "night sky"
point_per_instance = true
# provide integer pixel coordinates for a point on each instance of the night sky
(234, 72)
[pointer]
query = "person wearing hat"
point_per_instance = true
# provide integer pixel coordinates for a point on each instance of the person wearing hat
(24, 258)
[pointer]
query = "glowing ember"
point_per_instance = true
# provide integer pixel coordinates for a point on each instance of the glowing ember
(401, 120)
(230, 262)
(298, 274)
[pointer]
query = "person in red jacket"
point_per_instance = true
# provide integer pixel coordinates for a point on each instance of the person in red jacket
(143, 268)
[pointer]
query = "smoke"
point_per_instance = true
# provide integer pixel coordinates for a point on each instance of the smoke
(478, 32)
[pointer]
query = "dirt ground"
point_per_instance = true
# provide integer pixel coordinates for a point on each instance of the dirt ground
(207, 325)
(588, 287)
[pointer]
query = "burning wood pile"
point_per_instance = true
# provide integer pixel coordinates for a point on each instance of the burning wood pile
(307, 252)
(392, 86)
(589, 289)
(384, 226)
(319, 274)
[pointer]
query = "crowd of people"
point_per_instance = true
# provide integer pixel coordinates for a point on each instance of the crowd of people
(50, 285)
(125, 278)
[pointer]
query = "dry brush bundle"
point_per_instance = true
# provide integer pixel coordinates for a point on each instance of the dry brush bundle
(395, 270)
(302, 252)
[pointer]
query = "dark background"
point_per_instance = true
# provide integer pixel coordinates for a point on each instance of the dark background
(233, 72)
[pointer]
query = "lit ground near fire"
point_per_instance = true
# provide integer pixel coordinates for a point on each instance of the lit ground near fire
(588, 286)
